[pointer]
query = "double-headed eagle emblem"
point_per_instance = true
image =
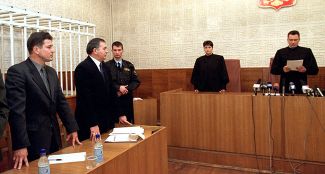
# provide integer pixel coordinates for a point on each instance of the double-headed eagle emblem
(276, 4)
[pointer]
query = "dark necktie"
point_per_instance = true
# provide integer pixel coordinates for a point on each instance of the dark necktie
(101, 70)
(118, 65)
(44, 78)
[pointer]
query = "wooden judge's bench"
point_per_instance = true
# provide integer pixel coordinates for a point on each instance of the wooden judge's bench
(259, 133)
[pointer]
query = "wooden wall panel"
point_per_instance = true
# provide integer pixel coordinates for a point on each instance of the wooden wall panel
(177, 79)
(155, 81)
(145, 112)
(159, 82)
(145, 88)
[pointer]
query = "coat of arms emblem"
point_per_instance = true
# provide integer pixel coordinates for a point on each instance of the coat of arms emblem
(276, 4)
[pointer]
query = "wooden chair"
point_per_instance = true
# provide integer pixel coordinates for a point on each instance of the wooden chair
(233, 68)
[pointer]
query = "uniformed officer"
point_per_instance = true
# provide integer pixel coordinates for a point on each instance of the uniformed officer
(124, 78)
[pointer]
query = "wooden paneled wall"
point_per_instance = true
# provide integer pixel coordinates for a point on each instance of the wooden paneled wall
(155, 81)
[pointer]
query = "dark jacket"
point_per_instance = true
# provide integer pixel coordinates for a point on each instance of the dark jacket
(4, 111)
(33, 120)
(125, 75)
(96, 102)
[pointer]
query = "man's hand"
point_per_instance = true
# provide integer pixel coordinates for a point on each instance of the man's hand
(20, 157)
(222, 91)
(93, 132)
(286, 69)
(196, 90)
(301, 69)
(124, 120)
(123, 89)
(74, 138)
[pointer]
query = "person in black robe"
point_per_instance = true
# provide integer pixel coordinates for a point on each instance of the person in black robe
(294, 52)
(210, 71)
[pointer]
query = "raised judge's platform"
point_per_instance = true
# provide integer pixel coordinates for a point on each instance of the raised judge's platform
(143, 157)
(258, 133)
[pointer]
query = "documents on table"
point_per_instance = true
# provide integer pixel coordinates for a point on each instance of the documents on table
(67, 158)
(126, 134)
(294, 64)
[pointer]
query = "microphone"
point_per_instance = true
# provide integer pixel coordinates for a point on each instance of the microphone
(292, 88)
(319, 92)
(276, 87)
(263, 87)
(305, 88)
(269, 87)
(283, 82)
(257, 86)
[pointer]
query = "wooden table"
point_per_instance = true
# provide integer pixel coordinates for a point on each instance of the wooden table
(144, 157)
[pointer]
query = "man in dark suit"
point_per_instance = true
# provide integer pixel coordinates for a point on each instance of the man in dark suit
(210, 71)
(125, 79)
(96, 103)
(3, 109)
(34, 98)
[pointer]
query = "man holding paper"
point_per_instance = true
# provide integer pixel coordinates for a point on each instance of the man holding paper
(294, 63)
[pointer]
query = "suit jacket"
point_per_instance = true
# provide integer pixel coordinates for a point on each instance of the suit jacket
(32, 117)
(3, 107)
(125, 75)
(96, 102)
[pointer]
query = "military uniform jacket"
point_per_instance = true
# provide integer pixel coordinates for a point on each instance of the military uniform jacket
(125, 75)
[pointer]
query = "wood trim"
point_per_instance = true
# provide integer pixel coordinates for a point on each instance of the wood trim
(243, 161)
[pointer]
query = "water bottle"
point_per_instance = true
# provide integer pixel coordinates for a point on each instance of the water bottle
(43, 163)
(98, 149)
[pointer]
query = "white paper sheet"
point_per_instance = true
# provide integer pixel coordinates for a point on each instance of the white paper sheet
(126, 134)
(128, 130)
(67, 158)
(122, 138)
(294, 64)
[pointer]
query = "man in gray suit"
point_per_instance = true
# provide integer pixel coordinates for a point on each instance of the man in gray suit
(34, 98)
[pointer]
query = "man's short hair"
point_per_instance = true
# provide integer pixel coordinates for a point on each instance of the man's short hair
(37, 39)
(294, 32)
(93, 43)
(208, 43)
(117, 44)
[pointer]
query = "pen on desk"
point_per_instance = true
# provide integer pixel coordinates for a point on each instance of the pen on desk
(58, 159)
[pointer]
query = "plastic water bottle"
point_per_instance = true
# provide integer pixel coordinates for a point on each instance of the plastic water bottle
(98, 149)
(43, 163)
